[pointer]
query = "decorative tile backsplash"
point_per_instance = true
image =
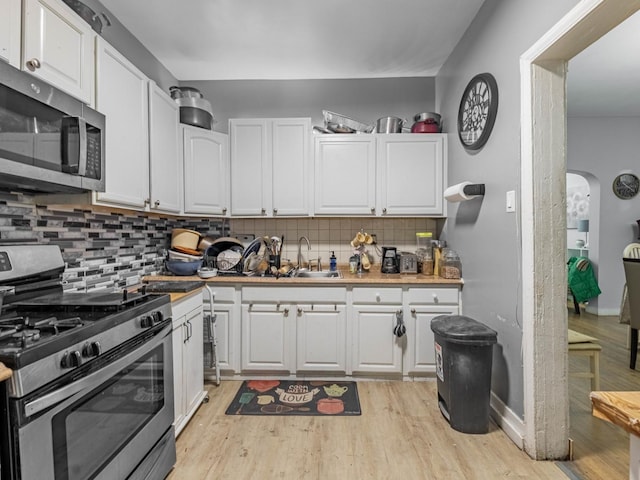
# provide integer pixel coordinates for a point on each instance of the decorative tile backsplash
(108, 248)
(335, 234)
(101, 248)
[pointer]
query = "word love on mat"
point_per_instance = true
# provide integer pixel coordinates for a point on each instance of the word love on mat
(297, 397)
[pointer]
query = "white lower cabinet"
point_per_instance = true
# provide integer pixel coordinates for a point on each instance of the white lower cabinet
(226, 318)
(188, 375)
(330, 331)
(375, 313)
(321, 338)
(282, 335)
(423, 305)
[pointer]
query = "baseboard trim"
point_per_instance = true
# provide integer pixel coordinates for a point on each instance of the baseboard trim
(509, 422)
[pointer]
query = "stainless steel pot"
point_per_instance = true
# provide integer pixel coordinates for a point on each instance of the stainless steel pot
(195, 111)
(185, 92)
(389, 125)
(421, 117)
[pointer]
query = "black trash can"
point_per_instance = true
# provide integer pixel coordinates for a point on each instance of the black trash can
(464, 350)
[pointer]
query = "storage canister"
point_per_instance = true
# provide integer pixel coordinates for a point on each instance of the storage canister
(451, 267)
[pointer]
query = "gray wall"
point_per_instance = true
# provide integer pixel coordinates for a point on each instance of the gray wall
(604, 148)
(486, 237)
(129, 46)
(364, 100)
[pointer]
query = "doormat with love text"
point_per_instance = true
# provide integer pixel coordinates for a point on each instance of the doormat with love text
(295, 397)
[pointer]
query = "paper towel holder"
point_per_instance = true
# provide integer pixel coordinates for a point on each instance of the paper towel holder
(464, 191)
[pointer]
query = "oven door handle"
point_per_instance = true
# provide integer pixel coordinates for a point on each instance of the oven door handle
(95, 379)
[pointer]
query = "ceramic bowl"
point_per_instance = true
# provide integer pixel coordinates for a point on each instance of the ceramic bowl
(180, 267)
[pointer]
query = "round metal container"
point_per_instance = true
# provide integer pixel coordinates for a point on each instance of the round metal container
(389, 125)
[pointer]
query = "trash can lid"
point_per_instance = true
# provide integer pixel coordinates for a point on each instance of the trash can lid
(461, 329)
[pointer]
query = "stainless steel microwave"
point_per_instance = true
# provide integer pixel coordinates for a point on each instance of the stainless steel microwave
(49, 141)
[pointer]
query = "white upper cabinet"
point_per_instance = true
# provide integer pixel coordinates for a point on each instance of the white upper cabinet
(10, 22)
(410, 174)
(58, 47)
(165, 157)
(345, 175)
(381, 175)
(270, 166)
(122, 96)
(206, 171)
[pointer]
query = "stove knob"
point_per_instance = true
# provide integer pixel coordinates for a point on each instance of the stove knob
(92, 349)
(158, 317)
(71, 359)
(146, 322)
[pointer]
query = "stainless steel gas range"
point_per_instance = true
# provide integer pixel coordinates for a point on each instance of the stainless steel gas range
(92, 389)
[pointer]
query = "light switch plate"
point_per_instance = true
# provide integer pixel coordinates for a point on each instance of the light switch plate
(511, 201)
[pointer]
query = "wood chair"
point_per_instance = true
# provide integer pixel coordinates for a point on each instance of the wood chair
(630, 251)
(584, 345)
(632, 276)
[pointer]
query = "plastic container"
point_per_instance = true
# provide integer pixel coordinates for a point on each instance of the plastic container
(464, 352)
(450, 265)
(425, 261)
(424, 240)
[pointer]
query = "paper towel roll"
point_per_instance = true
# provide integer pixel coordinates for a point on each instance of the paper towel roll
(464, 191)
(455, 193)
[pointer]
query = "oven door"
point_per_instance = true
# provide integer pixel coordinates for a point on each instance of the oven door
(104, 425)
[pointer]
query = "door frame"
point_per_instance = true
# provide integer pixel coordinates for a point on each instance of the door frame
(543, 71)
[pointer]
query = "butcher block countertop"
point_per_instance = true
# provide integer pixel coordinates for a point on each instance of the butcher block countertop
(619, 408)
(372, 277)
(5, 373)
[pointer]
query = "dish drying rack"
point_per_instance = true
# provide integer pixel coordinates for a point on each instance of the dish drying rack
(210, 342)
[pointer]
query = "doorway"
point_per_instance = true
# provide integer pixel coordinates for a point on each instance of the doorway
(543, 191)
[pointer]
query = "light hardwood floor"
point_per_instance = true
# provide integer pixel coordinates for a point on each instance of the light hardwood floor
(601, 450)
(400, 435)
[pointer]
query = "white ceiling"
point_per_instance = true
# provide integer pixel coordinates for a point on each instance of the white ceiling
(297, 39)
(304, 39)
(604, 79)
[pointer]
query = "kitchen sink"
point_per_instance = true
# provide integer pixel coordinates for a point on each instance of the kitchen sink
(316, 274)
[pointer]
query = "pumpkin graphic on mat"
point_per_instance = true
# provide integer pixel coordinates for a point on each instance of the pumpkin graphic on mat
(262, 385)
(330, 406)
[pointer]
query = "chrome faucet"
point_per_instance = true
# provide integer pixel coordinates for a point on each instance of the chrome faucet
(300, 252)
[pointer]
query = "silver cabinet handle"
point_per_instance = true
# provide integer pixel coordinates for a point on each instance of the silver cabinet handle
(384, 210)
(263, 211)
(224, 210)
(413, 311)
(286, 312)
(275, 211)
(156, 203)
(373, 209)
(300, 311)
(33, 64)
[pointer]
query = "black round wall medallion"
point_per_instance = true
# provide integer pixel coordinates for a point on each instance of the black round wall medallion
(626, 186)
(477, 112)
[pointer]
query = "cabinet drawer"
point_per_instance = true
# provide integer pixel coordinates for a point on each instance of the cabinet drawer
(220, 294)
(433, 295)
(294, 294)
(377, 295)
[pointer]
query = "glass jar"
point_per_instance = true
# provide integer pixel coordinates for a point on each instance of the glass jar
(451, 267)
(425, 261)
(423, 240)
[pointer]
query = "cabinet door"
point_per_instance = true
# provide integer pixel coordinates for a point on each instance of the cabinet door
(206, 176)
(410, 174)
(122, 96)
(322, 338)
(375, 348)
(193, 363)
(10, 31)
(345, 175)
(165, 159)
(268, 338)
(178, 336)
(227, 341)
(420, 351)
(291, 186)
(58, 47)
(250, 167)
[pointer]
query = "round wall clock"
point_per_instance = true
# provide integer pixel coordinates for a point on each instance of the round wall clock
(477, 112)
(626, 186)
